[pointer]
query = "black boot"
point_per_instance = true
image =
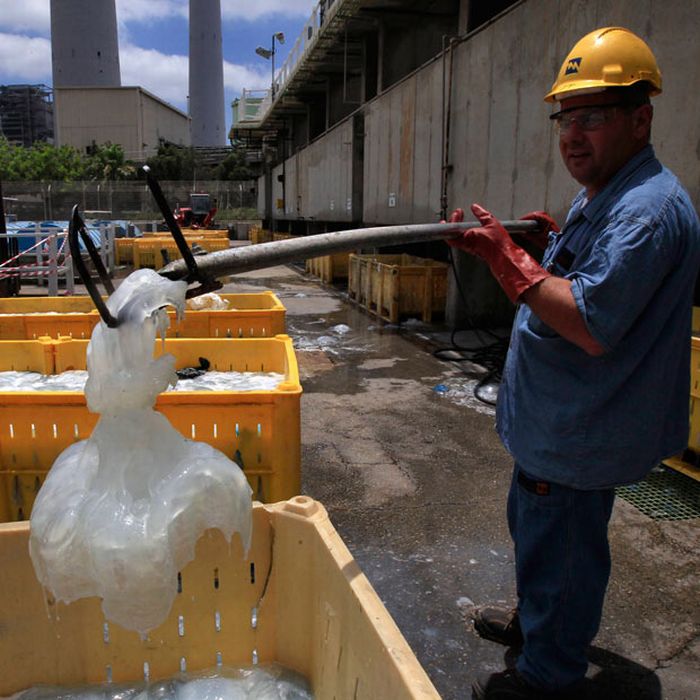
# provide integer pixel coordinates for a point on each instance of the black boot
(501, 625)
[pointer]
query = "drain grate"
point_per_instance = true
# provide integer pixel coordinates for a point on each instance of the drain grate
(665, 494)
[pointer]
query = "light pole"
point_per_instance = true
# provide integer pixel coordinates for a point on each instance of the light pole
(270, 54)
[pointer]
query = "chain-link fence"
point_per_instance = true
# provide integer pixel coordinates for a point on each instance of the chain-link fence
(42, 201)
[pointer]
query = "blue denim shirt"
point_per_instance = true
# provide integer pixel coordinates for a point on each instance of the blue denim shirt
(632, 254)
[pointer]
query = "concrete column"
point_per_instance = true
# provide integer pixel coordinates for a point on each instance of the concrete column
(463, 16)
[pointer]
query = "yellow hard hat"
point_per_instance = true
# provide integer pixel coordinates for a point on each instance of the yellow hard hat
(607, 57)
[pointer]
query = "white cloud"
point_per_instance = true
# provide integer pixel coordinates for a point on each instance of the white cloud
(25, 58)
(146, 11)
(26, 16)
(245, 9)
(166, 75)
(237, 77)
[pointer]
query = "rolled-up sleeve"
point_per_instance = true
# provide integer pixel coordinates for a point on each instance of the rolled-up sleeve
(608, 289)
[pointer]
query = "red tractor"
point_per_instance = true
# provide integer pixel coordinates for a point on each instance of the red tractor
(200, 213)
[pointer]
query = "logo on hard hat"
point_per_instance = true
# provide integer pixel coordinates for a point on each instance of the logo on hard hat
(573, 65)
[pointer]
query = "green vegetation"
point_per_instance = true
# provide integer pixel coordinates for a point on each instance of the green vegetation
(180, 163)
(44, 162)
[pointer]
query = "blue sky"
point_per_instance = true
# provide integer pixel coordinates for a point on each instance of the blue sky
(153, 43)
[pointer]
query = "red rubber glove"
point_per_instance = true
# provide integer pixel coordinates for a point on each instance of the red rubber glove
(546, 224)
(512, 267)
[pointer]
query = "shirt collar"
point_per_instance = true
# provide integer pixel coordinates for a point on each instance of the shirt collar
(594, 208)
(601, 200)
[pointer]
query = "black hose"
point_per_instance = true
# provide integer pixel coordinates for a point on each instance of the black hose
(491, 355)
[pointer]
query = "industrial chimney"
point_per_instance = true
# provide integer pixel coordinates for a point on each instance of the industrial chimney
(84, 43)
(206, 74)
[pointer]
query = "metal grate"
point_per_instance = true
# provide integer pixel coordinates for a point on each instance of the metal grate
(665, 494)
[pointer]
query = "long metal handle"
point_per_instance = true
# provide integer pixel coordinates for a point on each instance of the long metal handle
(255, 257)
(76, 227)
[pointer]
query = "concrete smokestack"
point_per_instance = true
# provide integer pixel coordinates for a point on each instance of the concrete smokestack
(84, 43)
(206, 74)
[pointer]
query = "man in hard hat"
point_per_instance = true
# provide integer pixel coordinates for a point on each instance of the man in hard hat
(595, 386)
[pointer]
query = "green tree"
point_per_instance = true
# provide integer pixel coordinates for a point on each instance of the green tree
(107, 162)
(40, 162)
(234, 167)
(173, 162)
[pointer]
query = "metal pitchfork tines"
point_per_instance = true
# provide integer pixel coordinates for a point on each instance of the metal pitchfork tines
(76, 227)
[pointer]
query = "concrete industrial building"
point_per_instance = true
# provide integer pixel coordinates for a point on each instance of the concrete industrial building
(129, 116)
(90, 105)
(401, 110)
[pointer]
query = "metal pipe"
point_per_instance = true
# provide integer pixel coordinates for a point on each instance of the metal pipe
(255, 257)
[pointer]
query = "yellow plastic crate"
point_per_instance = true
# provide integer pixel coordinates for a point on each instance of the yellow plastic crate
(123, 251)
(395, 286)
(259, 235)
(687, 463)
(147, 251)
(189, 233)
(260, 430)
(279, 236)
(257, 315)
(315, 613)
(329, 267)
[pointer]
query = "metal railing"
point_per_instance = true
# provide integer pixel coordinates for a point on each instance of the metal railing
(49, 259)
(252, 108)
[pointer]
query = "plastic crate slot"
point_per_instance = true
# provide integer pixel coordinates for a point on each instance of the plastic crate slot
(254, 618)
(255, 657)
(146, 671)
(33, 431)
(183, 664)
(240, 332)
(216, 430)
(12, 431)
(55, 431)
(194, 432)
(259, 429)
(216, 579)
(108, 673)
(181, 625)
(76, 431)
(219, 658)
(105, 632)
(16, 490)
(179, 582)
(216, 332)
(238, 429)
(217, 621)
(252, 572)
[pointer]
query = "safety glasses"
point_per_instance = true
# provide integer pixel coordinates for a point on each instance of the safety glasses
(587, 118)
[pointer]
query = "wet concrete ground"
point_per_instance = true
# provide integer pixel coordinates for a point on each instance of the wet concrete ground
(416, 481)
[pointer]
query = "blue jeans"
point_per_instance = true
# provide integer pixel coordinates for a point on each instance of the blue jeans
(562, 564)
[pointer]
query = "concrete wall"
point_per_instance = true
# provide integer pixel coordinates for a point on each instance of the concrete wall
(316, 182)
(503, 149)
(128, 116)
(402, 151)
